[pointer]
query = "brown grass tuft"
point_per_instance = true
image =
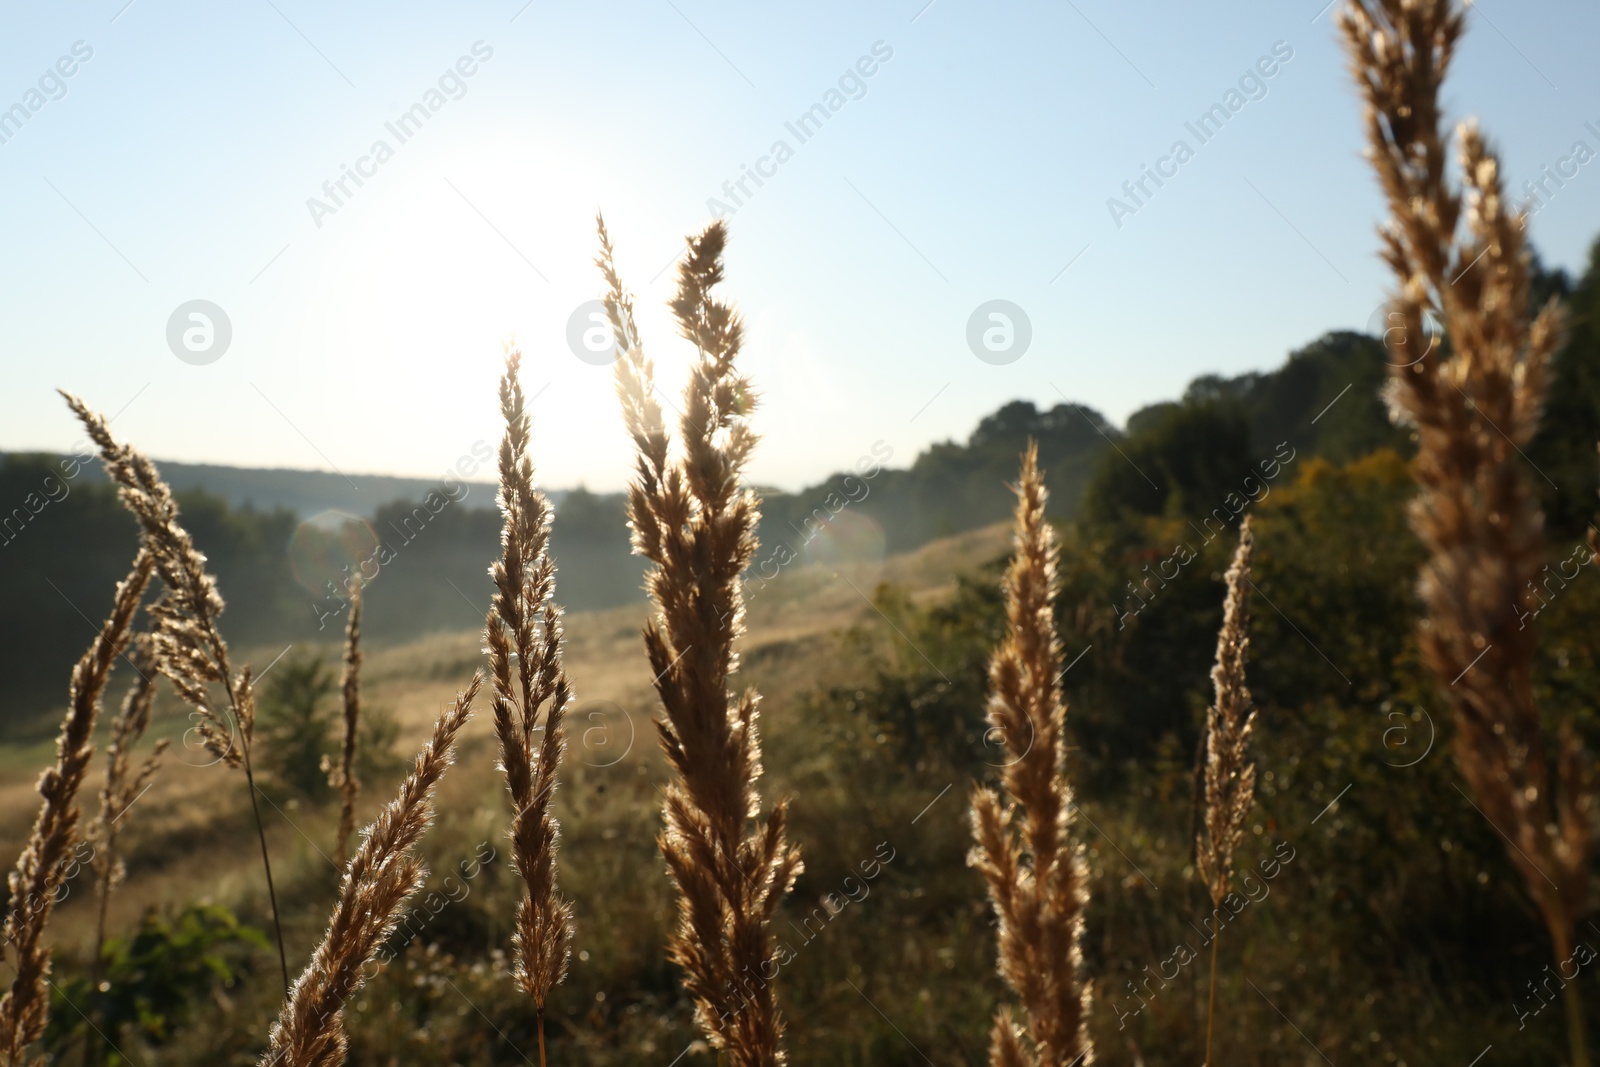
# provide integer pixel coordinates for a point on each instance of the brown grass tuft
(24, 1009)
(187, 643)
(693, 519)
(1230, 780)
(1024, 848)
(1460, 251)
(380, 878)
(524, 629)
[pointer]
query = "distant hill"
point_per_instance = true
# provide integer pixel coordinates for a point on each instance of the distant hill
(1183, 454)
(950, 487)
(304, 492)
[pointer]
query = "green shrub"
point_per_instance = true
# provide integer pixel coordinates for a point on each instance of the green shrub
(152, 982)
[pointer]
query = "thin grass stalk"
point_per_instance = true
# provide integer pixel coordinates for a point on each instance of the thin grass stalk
(1211, 996)
(1230, 779)
(124, 785)
(187, 642)
(695, 521)
(343, 778)
(40, 869)
(261, 838)
(383, 874)
(1458, 249)
(1023, 842)
(531, 694)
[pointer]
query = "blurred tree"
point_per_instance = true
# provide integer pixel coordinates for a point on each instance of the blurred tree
(295, 724)
(1567, 469)
(1184, 463)
(298, 722)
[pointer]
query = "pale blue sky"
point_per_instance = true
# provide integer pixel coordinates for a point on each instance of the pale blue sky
(977, 164)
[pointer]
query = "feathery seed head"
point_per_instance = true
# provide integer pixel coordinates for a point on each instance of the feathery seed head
(1023, 845)
(530, 698)
(1458, 250)
(694, 520)
(1230, 778)
(380, 878)
(41, 867)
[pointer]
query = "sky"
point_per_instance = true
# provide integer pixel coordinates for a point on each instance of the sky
(970, 154)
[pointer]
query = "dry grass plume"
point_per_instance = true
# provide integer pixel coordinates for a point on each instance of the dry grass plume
(1459, 250)
(343, 777)
(695, 521)
(1230, 779)
(1024, 847)
(531, 694)
(380, 878)
(188, 645)
(24, 1009)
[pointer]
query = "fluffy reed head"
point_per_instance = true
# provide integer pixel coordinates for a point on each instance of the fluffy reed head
(186, 641)
(343, 777)
(380, 878)
(695, 521)
(1462, 253)
(1023, 843)
(1230, 779)
(531, 694)
(41, 866)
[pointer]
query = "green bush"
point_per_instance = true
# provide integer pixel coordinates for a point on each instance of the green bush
(151, 983)
(299, 721)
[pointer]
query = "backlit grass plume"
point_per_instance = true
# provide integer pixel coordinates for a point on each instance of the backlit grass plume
(380, 878)
(41, 867)
(1024, 847)
(531, 693)
(693, 518)
(1230, 779)
(343, 777)
(1460, 251)
(187, 643)
(125, 783)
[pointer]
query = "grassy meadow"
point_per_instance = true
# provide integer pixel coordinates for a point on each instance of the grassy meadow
(1261, 733)
(1394, 932)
